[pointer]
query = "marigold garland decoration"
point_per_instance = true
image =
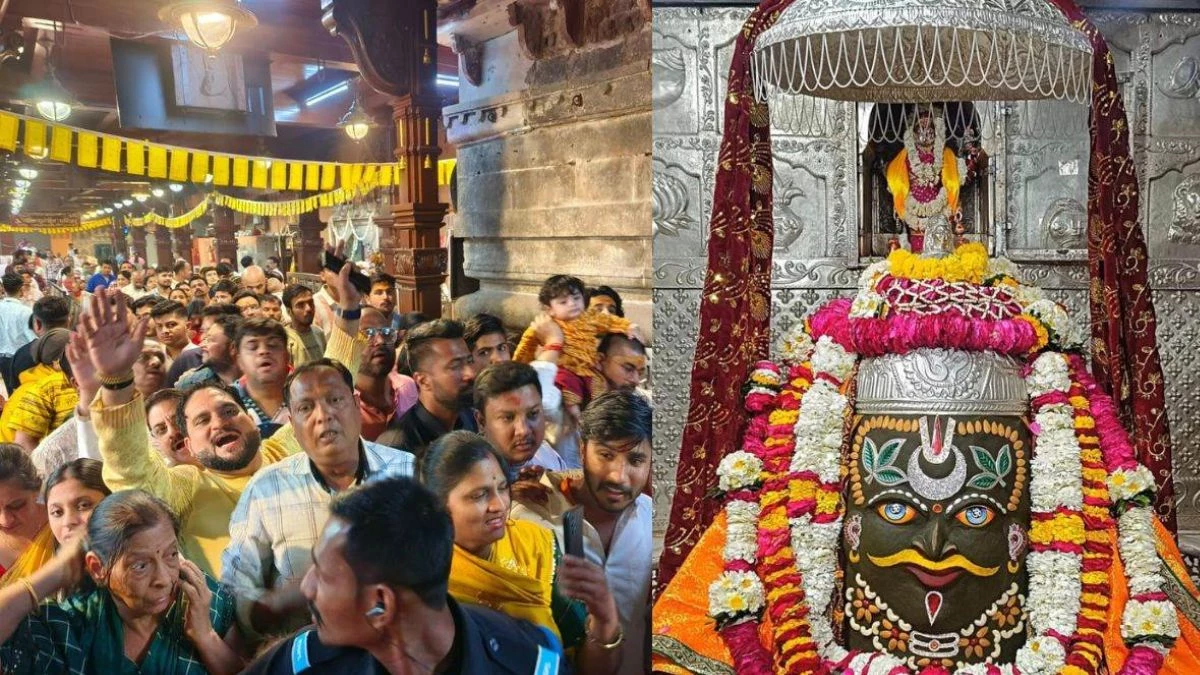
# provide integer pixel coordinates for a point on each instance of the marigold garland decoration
(783, 489)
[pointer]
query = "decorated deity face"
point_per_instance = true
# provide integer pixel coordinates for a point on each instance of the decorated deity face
(935, 537)
(924, 130)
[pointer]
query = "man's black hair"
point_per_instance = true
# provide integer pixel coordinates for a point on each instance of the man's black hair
(412, 552)
(222, 286)
(181, 418)
(292, 292)
(13, 283)
(503, 378)
(617, 415)
(418, 343)
(610, 340)
(479, 325)
(167, 308)
(608, 292)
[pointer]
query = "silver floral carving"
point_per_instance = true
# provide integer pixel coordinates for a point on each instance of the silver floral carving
(669, 205)
(669, 74)
(1184, 81)
(1064, 223)
(789, 224)
(941, 381)
(1185, 224)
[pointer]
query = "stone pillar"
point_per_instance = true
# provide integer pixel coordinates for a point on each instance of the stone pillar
(138, 236)
(395, 45)
(553, 136)
(162, 245)
(307, 243)
(223, 233)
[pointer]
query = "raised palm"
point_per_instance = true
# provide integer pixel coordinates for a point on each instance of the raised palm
(114, 337)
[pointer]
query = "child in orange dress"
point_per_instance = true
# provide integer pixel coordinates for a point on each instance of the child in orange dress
(562, 297)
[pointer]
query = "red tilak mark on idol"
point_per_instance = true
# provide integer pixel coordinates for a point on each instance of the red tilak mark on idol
(933, 605)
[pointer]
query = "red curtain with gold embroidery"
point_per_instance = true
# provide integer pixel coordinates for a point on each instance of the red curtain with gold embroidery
(1125, 357)
(735, 311)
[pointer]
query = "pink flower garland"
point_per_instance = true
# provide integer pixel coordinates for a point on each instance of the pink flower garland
(902, 333)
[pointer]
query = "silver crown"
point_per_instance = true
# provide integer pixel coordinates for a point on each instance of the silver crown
(941, 381)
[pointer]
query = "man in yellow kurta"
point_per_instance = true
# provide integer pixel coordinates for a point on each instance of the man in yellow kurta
(219, 431)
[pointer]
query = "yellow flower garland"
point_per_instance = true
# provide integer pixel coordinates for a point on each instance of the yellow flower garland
(968, 263)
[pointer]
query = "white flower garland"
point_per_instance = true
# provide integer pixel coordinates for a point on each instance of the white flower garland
(1056, 482)
(1143, 619)
(739, 595)
(819, 436)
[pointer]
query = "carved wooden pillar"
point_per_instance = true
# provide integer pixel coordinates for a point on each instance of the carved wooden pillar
(307, 242)
(183, 242)
(162, 245)
(395, 45)
(223, 232)
(138, 236)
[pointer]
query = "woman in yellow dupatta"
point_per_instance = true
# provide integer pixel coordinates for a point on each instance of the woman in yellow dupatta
(514, 566)
(24, 536)
(70, 494)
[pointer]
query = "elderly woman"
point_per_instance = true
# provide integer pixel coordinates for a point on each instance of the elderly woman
(152, 611)
(514, 566)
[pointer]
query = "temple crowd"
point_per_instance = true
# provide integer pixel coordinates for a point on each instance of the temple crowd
(215, 470)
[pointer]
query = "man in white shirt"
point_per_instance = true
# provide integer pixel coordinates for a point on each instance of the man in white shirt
(617, 533)
(137, 286)
(508, 410)
(283, 508)
(15, 330)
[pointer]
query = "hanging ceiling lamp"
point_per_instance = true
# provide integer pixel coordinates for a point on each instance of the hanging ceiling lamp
(356, 122)
(208, 24)
(905, 51)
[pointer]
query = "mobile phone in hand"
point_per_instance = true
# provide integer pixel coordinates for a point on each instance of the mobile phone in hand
(573, 531)
(334, 264)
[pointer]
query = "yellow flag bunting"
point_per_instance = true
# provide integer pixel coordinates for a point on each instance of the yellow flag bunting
(82, 227)
(171, 222)
(156, 161)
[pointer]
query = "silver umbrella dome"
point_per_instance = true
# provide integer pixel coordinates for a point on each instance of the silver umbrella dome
(923, 51)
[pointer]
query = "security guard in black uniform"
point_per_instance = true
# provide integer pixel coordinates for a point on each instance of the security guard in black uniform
(393, 540)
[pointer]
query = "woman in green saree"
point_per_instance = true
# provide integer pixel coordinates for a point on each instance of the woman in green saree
(152, 610)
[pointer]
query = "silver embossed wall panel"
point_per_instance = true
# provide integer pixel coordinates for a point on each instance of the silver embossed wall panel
(1040, 186)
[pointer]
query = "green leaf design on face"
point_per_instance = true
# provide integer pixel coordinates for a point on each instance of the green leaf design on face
(1004, 462)
(983, 459)
(983, 481)
(868, 455)
(890, 476)
(889, 451)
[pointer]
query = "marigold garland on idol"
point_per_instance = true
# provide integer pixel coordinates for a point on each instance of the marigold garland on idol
(933, 466)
